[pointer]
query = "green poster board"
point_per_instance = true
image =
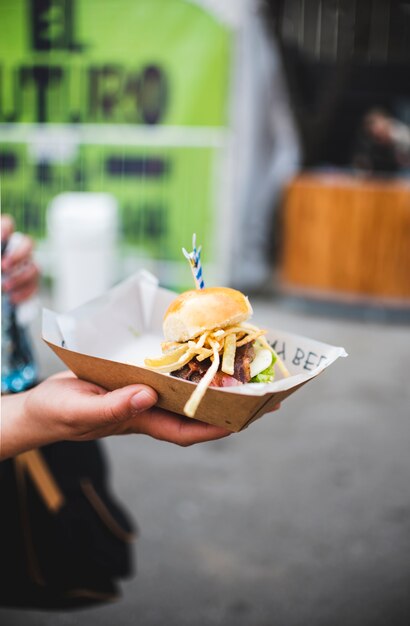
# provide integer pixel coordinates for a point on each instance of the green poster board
(124, 96)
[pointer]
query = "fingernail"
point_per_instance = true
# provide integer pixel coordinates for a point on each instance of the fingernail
(142, 400)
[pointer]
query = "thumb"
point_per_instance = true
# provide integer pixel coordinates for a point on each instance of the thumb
(7, 227)
(122, 404)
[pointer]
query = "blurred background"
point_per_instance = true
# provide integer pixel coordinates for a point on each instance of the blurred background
(279, 133)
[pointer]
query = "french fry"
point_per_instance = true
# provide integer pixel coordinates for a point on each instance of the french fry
(171, 367)
(171, 361)
(200, 390)
(228, 360)
(204, 353)
(201, 341)
(197, 345)
(169, 346)
(217, 333)
(250, 337)
(168, 358)
(233, 329)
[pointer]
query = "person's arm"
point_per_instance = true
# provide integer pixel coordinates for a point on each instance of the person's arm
(66, 408)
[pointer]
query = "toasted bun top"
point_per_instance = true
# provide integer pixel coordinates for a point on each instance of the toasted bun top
(194, 312)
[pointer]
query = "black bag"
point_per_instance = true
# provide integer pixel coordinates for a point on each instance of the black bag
(64, 540)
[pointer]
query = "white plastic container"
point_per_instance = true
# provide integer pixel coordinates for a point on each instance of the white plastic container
(83, 234)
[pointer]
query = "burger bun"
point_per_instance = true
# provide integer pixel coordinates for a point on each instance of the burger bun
(196, 311)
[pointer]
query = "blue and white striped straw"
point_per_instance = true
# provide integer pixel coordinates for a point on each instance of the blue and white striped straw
(194, 259)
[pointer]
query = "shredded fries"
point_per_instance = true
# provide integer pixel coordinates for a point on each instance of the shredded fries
(250, 337)
(228, 360)
(175, 354)
(210, 344)
(168, 358)
(193, 402)
(167, 367)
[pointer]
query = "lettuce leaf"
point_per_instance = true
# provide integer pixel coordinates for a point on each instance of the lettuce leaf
(267, 375)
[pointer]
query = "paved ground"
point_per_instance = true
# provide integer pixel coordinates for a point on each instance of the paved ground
(303, 519)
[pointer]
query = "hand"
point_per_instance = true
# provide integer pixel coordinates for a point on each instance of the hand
(66, 408)
(20, 272)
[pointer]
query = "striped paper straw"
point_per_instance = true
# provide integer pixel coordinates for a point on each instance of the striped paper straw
(194, 259)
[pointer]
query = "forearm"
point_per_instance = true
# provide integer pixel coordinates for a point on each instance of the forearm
(19, 431)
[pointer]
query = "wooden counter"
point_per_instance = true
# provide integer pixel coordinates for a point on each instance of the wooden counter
(346, 235)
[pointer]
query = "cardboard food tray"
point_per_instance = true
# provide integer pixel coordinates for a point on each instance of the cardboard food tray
(105, 341)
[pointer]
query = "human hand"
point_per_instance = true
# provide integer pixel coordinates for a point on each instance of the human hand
(20, 272)
(66, 408)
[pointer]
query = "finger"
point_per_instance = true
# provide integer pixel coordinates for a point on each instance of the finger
(174, 428)
(22, 277)
(23, 294)
(7, 227)
(17, 255)
(122, 404)
(90, 410)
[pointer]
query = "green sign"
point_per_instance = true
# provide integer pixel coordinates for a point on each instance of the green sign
(124, 96)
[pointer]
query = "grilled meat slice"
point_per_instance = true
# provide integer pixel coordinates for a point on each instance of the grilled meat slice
(224, 380)
(243, 358)
(185, 372)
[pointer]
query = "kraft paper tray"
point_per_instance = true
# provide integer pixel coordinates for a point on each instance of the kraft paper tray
(106, 340)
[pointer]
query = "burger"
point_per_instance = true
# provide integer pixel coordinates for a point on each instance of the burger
(209, 341)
